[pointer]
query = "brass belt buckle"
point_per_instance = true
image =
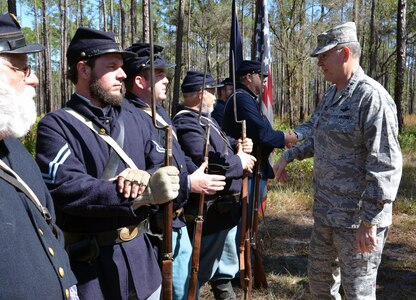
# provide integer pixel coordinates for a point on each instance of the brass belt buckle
(126, 234)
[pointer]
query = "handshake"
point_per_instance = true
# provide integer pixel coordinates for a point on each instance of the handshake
(291, 139)
(145, 189)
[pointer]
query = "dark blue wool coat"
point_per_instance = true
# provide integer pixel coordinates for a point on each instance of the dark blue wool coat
(30, 254)
(218, 111)
(222, 160)
(72, 159)
(258, 127)
(179, 159)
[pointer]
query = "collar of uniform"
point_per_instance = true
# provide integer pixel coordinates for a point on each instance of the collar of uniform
(96, 114)
(183, 107)
(352, 83)
(136, 100)
(245, 89)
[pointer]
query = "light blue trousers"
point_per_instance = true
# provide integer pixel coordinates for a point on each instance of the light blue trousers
(182, 253)
(218, 258)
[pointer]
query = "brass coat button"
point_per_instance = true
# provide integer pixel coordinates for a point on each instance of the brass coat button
(107, 121)
(51, 252)
(67, 294)
(40, 231)
(61, 272)
(102, 131)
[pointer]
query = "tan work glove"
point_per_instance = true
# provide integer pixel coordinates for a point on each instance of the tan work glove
(132, 182)
(163, 187)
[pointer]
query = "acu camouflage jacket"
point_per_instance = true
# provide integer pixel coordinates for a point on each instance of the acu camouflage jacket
(353, 137)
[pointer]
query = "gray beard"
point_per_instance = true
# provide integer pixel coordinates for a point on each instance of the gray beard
(17, 112)
(97, 92)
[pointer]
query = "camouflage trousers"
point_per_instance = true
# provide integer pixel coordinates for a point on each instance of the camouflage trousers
(334, 260)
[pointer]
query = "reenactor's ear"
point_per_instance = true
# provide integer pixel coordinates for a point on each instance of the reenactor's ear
(83, 70)
(138, 81)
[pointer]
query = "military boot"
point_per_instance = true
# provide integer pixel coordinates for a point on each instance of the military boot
(223, 290)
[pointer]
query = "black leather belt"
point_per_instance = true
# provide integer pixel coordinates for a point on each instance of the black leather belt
(112, 237)
(227, 197)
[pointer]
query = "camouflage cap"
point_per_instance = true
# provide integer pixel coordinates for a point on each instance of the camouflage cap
(345, 33)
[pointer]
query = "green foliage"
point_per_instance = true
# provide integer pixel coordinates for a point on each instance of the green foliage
(29, 140)
(408, 138)
(406, 198)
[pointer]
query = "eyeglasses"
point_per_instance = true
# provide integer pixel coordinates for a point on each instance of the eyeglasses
(26, 70)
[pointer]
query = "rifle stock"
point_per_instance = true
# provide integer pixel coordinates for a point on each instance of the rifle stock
(167, 256)
(245, 255)
(260, 280)
(199, 220)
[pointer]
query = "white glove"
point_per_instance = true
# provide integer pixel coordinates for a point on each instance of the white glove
(163, 187)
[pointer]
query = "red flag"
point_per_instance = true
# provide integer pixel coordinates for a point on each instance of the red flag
(263, 55)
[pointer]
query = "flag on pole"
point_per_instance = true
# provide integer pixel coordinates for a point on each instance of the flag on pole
(262, 39)
(263, 55)
(236, 45)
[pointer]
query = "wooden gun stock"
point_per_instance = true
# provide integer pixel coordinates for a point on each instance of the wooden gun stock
(167, 256)
(245, 256)
(260, 280)
(199, 220)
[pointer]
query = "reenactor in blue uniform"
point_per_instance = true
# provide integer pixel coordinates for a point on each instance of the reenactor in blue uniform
(191, 178)
(353, 137)
(248, 105)
(229, 157)
(224, 93)
(105, 222)
(259, 129)
(33, 261)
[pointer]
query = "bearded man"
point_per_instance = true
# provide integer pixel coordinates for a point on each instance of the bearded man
(105, 222)
(33, 261)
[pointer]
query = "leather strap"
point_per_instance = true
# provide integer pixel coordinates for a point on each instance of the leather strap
(19, 183)
(108, 139)
(113, 161)
(159, 119)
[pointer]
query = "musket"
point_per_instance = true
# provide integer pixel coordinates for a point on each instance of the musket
(167, 256)
(199, 220)
(244, 247)
(260, 280)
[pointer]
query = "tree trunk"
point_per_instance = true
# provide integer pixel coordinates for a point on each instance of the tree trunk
(412, 84)
(105, 23)
(63, 7)
(123, 25)
(133, 17)
(178, 59)
(39, 60)
(400, 60)
(188, 52)
(111, 15)
(145, 23)
(48, 105)
(372, 62)
(81, 12)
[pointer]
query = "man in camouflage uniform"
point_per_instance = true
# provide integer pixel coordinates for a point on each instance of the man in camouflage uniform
(353, 136)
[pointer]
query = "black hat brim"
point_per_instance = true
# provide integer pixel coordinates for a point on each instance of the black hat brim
(31, 48)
